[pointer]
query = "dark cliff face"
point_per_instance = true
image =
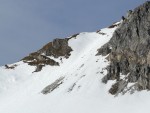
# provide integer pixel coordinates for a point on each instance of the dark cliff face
(129, 55)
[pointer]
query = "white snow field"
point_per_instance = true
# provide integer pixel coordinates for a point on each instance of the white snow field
(81, 90)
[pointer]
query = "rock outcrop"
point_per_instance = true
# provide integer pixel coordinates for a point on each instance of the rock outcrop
(129, 52)
(38, 60)
(10, 67)
(53, 86)
(57, 48)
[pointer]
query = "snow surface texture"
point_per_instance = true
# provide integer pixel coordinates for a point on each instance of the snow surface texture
(80, 91)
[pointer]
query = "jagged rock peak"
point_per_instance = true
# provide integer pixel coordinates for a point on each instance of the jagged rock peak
(129, 52)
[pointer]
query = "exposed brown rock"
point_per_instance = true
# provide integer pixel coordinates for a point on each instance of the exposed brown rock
(56, 48)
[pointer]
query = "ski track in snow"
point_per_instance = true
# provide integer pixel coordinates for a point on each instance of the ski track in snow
(81, 90)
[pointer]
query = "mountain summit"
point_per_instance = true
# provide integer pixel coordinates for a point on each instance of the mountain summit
(84, 73)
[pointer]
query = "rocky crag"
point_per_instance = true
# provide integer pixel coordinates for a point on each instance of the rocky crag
(58, 48)
(128, 52)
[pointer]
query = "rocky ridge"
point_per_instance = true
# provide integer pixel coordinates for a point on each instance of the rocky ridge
(129, 53)
(58, 48)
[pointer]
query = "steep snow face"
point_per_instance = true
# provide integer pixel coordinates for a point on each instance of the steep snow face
(79, 88)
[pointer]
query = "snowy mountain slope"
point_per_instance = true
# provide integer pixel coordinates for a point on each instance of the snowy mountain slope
(80, 89)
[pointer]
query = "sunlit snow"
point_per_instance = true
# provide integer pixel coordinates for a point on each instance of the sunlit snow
(81, 90)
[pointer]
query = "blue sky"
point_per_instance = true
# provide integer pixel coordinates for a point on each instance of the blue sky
(26, 25)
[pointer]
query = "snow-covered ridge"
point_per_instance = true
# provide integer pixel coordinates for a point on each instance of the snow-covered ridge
(75, 85)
